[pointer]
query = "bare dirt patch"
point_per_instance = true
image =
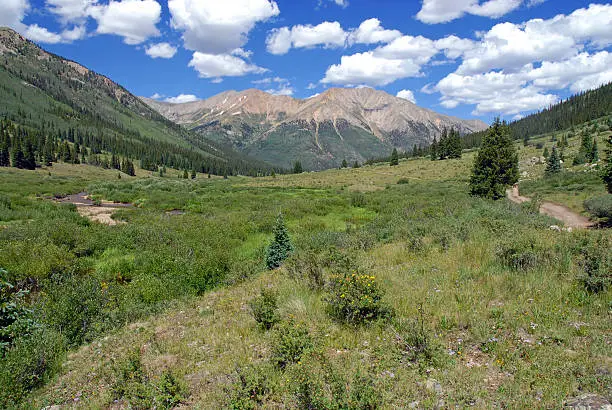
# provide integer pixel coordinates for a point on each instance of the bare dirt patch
(101, 211)
(569, 218)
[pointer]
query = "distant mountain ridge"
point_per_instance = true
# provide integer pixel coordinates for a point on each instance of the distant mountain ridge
(53, 98)
(341, 123)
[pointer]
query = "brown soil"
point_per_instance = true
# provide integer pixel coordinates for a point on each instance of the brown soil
(97, 213)
(569, 218)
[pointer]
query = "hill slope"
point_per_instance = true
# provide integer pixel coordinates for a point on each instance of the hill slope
(50, 95)
(352, 124)
(576, 110)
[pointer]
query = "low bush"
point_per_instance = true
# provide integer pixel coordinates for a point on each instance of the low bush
(415, 342)
(307, 266)
(596, 263)
(323, 385)
(135, 387)
(355, 299)
(291, 341)
(358, 200)
(265, 309)
(600, 206)
(403, 181)
(250, 389)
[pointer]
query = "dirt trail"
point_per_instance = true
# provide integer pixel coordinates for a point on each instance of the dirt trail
(569, 218)
(98, 213)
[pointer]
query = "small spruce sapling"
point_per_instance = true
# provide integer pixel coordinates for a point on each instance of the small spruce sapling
(281, 247)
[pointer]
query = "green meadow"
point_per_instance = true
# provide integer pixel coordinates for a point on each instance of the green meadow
(453, 301)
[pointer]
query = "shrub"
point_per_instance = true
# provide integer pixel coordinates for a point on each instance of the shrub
(265, 309)
(415, 342)
(250, 388)
(355, 299)
(291, 341)
(281, 247)
(307, 266)
(28, 364)
(15, 319)
(520, 255)
(358, 200)
(140, 392)
(170, 392)
(403, 181)
(600, 207)
(322, 385)
(596, 263)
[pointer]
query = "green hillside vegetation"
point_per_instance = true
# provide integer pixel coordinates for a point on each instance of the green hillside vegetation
(53, 100)
(401, 290)
(576, 110)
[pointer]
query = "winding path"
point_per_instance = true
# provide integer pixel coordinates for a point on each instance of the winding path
(569, 218)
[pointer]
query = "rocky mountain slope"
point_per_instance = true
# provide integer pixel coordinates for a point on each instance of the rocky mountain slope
(353, 124)
(62, 99)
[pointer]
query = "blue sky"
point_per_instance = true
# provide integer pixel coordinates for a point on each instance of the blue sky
(468, 58)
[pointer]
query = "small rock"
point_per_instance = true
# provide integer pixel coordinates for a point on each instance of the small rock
(555, 228)
(588, 401)
(413, 405)
(433, 385)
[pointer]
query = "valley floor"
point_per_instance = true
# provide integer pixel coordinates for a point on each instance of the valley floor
(485, 305)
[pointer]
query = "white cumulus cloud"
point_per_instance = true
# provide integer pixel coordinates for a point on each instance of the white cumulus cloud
(161, 50)
(407, 95)
(222, 65)
(12, 12)
(327, 34)
(218, 27)
(70, 11)
(134, 20)
(369, 69)
(443, 11)
(371, 32)
(181, 99)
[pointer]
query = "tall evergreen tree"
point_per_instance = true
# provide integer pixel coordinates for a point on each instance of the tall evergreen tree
(553, 166)
(606, 174)
(496, 165)
(433, 149)
(297, 167)
(594, 155)
(394, 158)
(344, 164)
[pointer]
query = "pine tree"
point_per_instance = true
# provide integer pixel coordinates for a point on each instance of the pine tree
(17, 156)
(281, 247)
(356, 164)
(433, 150)
(594, 154)
(297, 167)
(545, 154)
(606, 174)
(586, 146)
(496, 165)
(553, 166)
(193, 174)
(455, 147)
(394, 158)
(415, 150)
(344, 164)
(186, 175)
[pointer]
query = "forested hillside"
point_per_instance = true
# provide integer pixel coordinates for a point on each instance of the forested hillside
(580, 108)
(47, 101)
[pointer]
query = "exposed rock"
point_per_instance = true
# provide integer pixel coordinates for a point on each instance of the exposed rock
(588, 401)
(433, 386)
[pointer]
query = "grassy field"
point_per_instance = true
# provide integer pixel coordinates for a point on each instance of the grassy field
(481, 303)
